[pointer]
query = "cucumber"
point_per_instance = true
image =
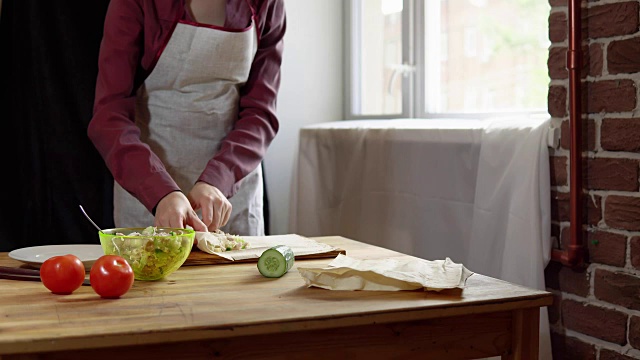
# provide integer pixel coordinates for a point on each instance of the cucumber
(276, 261)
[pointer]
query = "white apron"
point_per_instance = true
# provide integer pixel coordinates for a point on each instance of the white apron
(186, 107)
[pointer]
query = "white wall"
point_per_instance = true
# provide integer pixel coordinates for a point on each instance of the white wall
(311, 92)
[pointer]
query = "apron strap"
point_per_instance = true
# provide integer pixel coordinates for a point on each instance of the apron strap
(179, 15)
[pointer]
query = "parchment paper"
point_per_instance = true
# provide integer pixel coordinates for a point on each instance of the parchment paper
(346, 273)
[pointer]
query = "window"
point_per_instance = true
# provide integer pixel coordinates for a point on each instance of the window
(446, 58)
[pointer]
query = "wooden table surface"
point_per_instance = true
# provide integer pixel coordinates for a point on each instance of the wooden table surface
(231, 310)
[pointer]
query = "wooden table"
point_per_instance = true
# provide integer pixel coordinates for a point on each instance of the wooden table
(232, 311)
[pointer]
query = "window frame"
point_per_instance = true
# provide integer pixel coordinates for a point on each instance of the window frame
(413, 83)
(408, 80)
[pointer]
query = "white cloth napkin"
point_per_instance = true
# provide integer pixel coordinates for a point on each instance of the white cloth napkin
(346, 273)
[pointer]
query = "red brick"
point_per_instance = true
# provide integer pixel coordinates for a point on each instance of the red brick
(569, 348)
(622, 212)
(557, 101)
(588, 134)
(565, 237)
(617, 288)
(558, 168)
(612, 19)
(560, 207)
(594, 209)
(634, 332)
(610, 96)
(557, 63)
(574, 281)
(558, 2)
(635, 252)
(607, 248)
(622, 56)
(591, 58)
(605, 324)
(620, 134)
(595, 60)
(606, 354)
(558, 27)
(612, 174)
(591, 62)
(562, 278)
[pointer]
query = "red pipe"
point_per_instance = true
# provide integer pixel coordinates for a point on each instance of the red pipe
(573, 254)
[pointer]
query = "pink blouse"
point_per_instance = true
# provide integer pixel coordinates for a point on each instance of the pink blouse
(135, 33)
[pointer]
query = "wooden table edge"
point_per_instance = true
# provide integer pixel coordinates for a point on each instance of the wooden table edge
(220, 332)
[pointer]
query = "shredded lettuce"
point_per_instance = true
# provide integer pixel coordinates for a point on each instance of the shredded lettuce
(151, 253)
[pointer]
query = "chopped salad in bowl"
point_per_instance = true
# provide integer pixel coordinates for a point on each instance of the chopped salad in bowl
(152, 252)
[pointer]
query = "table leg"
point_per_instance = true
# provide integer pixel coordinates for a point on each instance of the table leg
(526, 335)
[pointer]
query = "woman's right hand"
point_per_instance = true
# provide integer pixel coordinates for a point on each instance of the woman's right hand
(175, 211)
(216, 208)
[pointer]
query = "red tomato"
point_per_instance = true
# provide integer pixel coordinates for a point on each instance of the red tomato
(62, 274)
(111, 276)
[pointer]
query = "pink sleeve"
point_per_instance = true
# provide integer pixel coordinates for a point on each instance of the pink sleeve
(112, 129)
(245, 146)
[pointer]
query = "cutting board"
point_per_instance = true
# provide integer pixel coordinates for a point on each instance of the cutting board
(198, 257)
(303, 247)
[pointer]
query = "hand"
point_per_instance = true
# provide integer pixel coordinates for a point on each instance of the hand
(174, 210)
(216, 209)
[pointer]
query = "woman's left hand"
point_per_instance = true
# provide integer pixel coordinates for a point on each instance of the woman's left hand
(216, 209)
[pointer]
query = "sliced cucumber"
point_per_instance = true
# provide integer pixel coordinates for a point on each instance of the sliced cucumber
(276, 261)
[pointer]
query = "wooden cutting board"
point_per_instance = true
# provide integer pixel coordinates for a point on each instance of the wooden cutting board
(304, 247)
(198, 257)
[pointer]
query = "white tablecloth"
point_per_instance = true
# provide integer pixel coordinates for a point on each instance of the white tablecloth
(476, 191)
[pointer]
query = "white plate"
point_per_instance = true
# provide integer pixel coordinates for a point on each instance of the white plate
(36, 255)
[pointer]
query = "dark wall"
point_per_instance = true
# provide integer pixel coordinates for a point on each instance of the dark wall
(49, 67)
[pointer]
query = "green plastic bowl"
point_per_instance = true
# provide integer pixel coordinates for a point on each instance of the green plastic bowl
(152, 257)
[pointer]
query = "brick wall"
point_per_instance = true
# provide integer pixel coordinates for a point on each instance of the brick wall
(596, 313)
